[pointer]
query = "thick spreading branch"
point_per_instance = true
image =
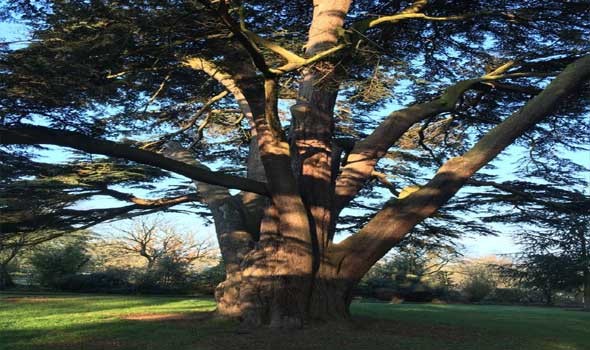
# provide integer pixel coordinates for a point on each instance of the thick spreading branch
(34, 135)
(148, 203)
(67, 220)
(360, 251)
(366, 153)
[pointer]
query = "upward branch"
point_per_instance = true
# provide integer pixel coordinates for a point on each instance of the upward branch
(398, 217)
(222, 77)
(366, 153)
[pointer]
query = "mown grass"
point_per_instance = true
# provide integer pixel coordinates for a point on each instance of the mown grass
(138, 322)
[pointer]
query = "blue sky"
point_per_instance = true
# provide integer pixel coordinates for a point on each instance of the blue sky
(473, 246)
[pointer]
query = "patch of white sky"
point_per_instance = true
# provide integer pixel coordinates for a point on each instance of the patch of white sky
(15, 34)
(473, 245)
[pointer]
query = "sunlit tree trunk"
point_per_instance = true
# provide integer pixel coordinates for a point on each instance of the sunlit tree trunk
(283, 268)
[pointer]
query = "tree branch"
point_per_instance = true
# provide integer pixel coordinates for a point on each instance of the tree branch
(41, 135)
(573, 205)
(72, 220)
(189, 124)
(358, 252)
(148, 203)
(224, 78)
(413, 15)
(366, 153)
(240, 35)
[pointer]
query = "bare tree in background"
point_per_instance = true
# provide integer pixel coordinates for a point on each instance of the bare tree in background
(154, 239)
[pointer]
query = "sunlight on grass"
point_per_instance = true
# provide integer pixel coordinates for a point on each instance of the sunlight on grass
(139, 322)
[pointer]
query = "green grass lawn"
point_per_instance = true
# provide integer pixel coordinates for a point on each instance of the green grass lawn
(130, 322)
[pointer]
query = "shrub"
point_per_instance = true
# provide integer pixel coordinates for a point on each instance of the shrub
(114, 280)
(168, 275)
(506, 296)
(477, 286)
(54, 263)
(206, 281)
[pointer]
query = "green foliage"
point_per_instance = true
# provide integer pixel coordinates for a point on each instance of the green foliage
(115, 71)
(167, 275)
(108, 281)
(510, 296)
(54, 264)
(545, 273)
(206, 281)
(43, 203)
(45, 321)
(556, 258)
(411, 275)
(478, 286)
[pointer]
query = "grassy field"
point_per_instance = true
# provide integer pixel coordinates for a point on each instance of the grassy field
(131, 322)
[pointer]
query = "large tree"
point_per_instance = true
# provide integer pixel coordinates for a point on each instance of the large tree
(172, 85)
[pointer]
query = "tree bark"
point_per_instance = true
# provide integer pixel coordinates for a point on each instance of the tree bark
(289, 272)
(277, 278)
(231, 227)
(312, 127)
(278, 285)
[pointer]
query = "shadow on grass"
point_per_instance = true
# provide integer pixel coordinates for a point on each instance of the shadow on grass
(157, 324)
(202, 331)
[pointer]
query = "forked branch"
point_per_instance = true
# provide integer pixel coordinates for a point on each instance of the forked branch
(398, 217)
(367, 152)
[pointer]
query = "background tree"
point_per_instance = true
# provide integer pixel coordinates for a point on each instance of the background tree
(203, 80)
(154, 240)
(59, 260)
(478, 281)
(8, 251)
(555, 259)
(14, 244)
(551, 226)
(410, 273)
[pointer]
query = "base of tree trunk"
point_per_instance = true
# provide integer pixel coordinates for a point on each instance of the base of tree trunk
(330, 300)
(279, 302)
(227, 296)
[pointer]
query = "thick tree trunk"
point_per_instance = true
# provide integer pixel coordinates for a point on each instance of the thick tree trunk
(274, 293)
(331, 295)
(294, 273)
(312, 126)
(291, 277)
(276, 278)
(236, 220)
